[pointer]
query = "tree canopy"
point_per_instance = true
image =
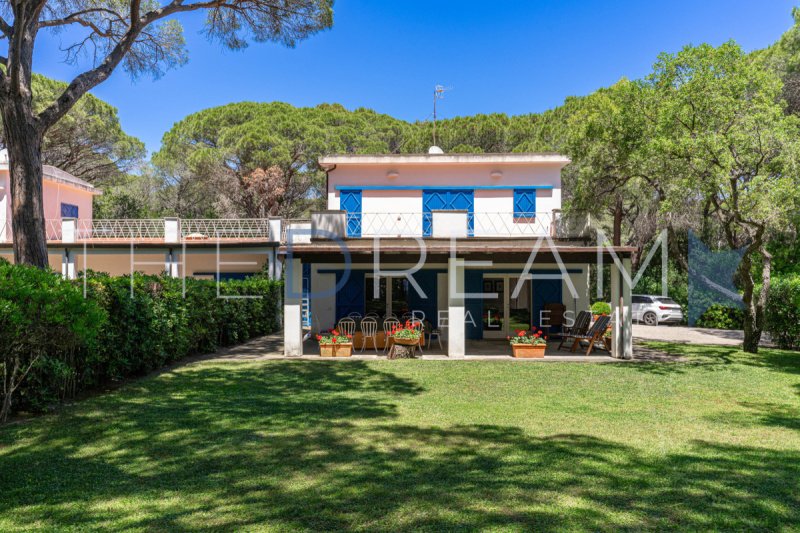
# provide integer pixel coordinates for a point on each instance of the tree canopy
(260, 159)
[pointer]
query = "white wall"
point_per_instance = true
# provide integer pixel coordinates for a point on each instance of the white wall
(493, 207)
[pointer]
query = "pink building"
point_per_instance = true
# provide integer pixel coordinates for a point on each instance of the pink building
(65, 196)
(197, 248)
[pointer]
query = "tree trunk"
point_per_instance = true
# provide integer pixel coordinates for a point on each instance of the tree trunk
(617, 238)
(754, 304)
(24, 143)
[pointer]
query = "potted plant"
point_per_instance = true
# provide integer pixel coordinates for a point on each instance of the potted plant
(600, 309)
(607, 339)
(528, 343)
(405, 335)
(404, 341)
(333, 344)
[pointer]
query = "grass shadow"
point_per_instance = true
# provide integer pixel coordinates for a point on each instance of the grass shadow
(318, 445)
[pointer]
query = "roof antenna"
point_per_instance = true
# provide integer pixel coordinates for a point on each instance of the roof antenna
(438, 94)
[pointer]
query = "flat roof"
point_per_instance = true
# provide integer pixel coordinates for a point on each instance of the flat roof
(329, 161)
(55, 174)
(403, 250)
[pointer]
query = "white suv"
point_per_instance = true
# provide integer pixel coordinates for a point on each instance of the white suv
(655, 310)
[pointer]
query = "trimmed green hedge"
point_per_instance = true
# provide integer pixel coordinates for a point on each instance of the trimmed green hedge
(782, 316)
(120, 329)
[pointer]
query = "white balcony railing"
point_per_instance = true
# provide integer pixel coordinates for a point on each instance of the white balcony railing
(222, 228)
(481, 224)
(165, 230)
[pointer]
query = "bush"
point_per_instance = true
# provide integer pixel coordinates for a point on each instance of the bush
(721, 317)
(44, 323)
(601, 308)
(782, 317)
(121, 329)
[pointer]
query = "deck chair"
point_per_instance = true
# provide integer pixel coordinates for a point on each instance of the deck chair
(555, 317)
(579, 327)
(593, 335)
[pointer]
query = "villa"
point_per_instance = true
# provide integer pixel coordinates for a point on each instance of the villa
(473, 243)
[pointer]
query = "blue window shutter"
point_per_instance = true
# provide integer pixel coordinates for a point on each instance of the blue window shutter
(524, 203)
(350, 201)
(69, 211)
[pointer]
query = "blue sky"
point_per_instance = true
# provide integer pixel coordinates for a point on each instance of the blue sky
(512, 57)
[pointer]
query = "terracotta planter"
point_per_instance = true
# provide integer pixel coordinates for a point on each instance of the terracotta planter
(336, 350)
(528, 350)
(405, 342)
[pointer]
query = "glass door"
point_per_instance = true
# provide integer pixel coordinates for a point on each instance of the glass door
(495, 309)
(519, 304)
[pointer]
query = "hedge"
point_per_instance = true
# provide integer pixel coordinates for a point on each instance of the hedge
(79, 343)
(719, 316)
(782, 315)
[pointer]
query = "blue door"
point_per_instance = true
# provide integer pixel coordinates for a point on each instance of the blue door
(545, 291)
(350, 201)
(447, 199)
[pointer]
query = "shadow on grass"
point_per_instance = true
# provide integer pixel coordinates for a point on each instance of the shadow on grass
(716, 358)
(316, 445)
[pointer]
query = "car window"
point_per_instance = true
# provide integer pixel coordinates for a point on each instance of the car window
(641, 300)
(666, 300)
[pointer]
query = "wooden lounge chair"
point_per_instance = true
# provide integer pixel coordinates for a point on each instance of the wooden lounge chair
(593, 336)
(578, 328)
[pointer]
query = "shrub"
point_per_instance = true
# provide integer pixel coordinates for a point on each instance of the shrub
(125, 327)
(721, 317)
(782, 317)
(601, 308)
(44, 322)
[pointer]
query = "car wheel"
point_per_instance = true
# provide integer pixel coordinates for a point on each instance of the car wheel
(650, 319)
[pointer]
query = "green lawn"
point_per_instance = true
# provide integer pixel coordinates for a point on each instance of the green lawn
(709, 444)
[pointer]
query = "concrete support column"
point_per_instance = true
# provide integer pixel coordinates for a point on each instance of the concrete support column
(626, 314)
(616, 292)
(293, 309)
(456, 314)
(621, 312)
(68, 265)
(171, 264)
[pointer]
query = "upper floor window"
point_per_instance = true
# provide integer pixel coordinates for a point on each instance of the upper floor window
(524, 205)
(69, 211)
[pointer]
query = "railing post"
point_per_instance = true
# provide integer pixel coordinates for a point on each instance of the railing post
(275, 229)
(68, 230)
(172, 229)
(67, 265)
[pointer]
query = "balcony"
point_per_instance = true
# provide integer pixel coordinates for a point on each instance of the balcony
(168, 230)
(446, 224)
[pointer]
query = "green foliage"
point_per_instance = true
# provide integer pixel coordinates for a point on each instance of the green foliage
(601, 308)
(44, 322)
(721, 317)
(782, 319)
(89, 141)
(221, 150)
(120, 329)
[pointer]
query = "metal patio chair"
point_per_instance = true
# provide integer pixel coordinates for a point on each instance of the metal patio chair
(437, 332)
(388, 325)
(369, 330)
(347, 326)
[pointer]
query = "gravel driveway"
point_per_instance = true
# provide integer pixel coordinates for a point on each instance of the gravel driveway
(690, 335)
